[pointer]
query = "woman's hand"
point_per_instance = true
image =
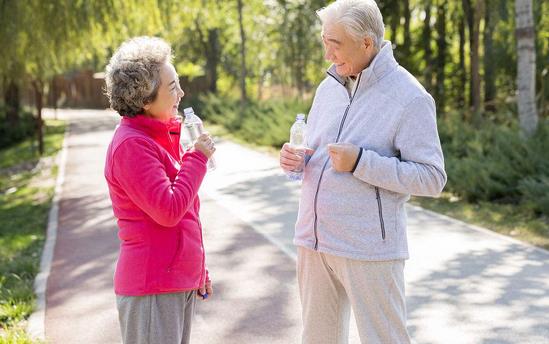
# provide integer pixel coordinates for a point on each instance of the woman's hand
(205, 144)
(205, 291)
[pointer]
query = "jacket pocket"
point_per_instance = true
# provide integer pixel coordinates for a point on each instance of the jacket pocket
(380, 212)
(177, 253)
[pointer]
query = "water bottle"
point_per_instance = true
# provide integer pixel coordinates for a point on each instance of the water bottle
(191, 129)
(297, 141)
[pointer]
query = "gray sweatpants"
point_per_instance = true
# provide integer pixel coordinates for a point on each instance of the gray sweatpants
(156, 319)
(329, 286)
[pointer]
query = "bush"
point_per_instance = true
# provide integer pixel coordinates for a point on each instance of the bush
(495, 163)
(10, 134)
(535, 193)
(265, 123)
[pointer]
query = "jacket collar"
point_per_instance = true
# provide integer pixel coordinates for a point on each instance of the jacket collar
(382, 64)
(164, 133)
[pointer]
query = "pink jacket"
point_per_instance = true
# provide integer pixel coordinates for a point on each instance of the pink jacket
(153, 189)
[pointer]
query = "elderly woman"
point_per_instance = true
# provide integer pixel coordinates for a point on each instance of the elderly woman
(154, 186)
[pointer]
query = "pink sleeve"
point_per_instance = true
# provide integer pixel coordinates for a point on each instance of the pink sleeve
(140, 172)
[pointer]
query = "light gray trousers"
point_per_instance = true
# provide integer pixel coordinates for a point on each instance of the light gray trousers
(156, 319)
(329, 286)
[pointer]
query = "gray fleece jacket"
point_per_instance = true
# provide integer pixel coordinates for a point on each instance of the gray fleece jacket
(361, 215)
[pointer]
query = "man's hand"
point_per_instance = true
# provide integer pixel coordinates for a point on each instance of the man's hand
(205, 291)
(343, 156)
(290, 158)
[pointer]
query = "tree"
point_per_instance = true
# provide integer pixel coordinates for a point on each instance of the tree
(427, 52)
(35, 49)
(441, 53)
(475, 59)
(473, 24)
(461, 64)
(526, 63)
(243, 95)
(489, 73)
(407, 42)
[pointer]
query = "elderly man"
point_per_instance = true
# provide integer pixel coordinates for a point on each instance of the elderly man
(373, 142)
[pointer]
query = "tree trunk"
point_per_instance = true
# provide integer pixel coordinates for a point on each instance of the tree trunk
(210, 45)
(243, 95)
(54, 95)
(468, 14)
(526, 67)
(299, 62)
(212, 59)
(489, 77)
(475, 63)
(441, 55)
(395, 20)
(462, 72)
(407, 44)
(426, 39)
(38, 98)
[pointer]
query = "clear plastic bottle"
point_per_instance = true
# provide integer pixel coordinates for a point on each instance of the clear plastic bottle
(298, 133)
(191, 129)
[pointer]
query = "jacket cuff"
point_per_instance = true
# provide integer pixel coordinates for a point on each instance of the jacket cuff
(357, 160)
(198, 154)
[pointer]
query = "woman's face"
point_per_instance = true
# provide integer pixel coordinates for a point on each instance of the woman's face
(169, 94)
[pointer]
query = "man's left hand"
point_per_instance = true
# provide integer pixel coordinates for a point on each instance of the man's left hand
(343, 156)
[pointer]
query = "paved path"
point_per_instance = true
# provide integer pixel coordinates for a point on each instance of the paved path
(463, 285)
(80, 305)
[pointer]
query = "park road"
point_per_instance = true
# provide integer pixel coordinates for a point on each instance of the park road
(464, 285)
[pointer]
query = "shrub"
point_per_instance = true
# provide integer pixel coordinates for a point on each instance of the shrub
(264, 123)
(10, 134)
(493, 162)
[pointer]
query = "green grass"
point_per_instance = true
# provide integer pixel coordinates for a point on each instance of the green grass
(25, 199)
(510, 220)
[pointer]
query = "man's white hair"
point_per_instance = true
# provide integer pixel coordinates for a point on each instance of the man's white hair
(360, 18)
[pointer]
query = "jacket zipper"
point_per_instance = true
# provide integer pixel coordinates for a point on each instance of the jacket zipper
(179, 237)
(175, 154)
(351, 97)
(380, 210)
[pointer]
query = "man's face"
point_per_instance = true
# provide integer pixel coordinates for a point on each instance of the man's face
(349, 56)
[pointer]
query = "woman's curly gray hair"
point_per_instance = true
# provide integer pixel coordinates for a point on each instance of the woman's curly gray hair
(133, 74)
